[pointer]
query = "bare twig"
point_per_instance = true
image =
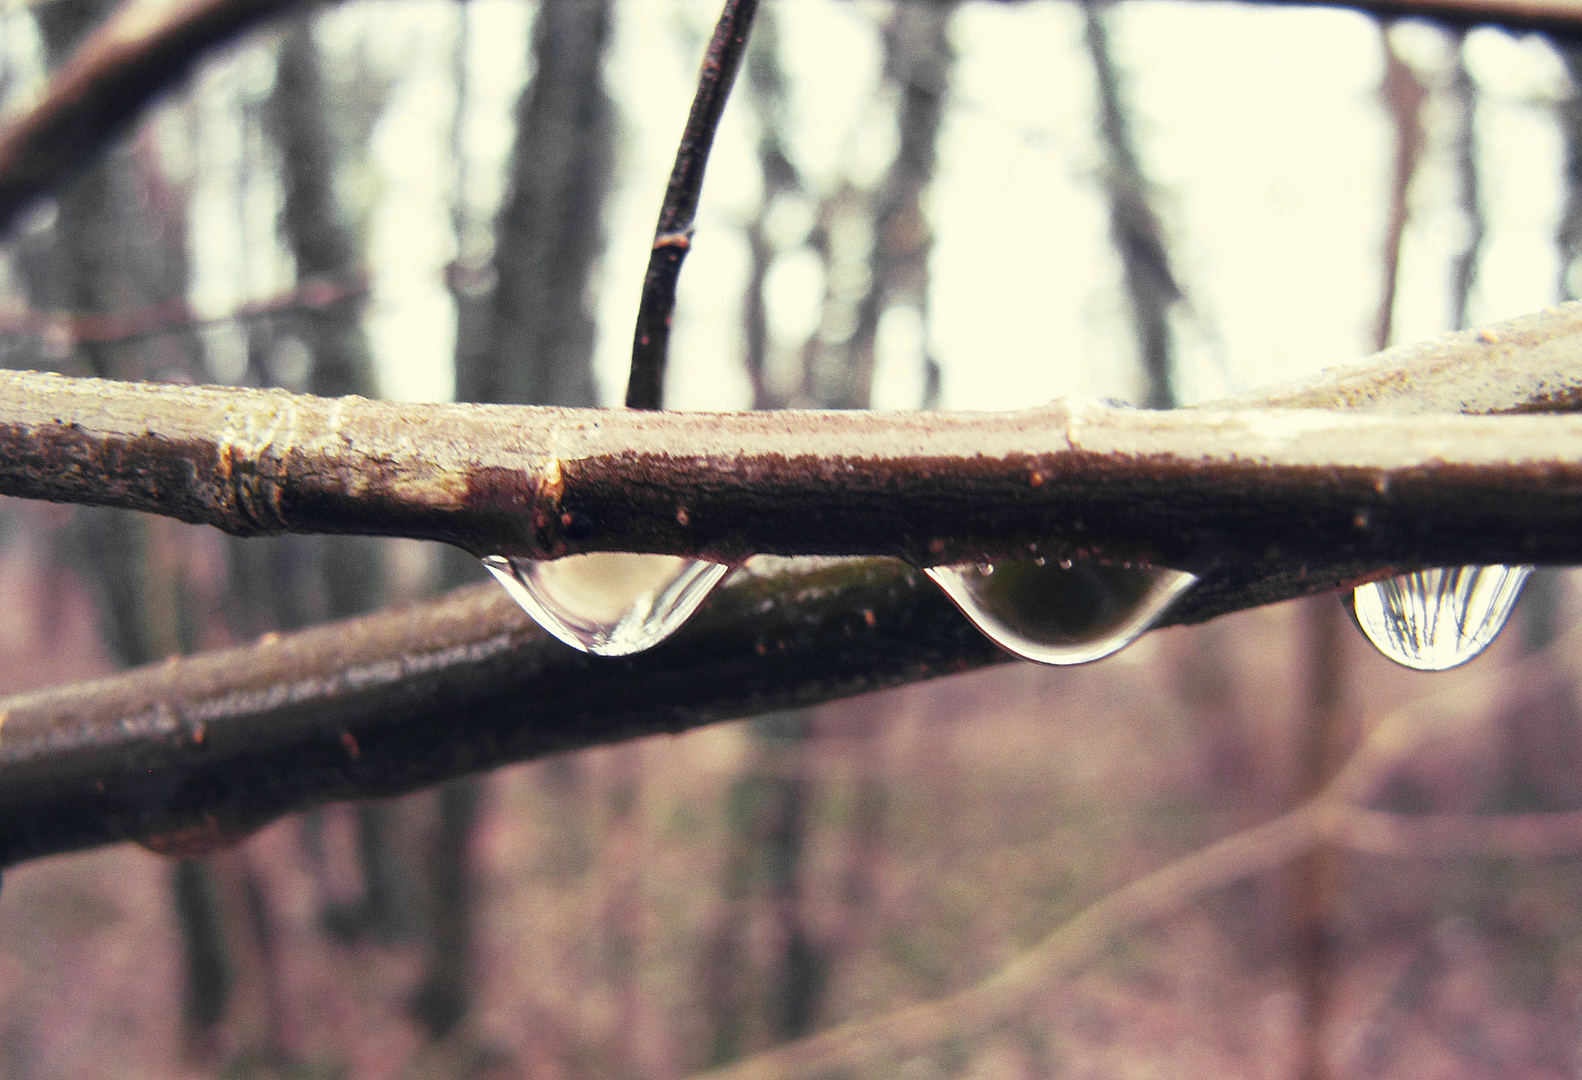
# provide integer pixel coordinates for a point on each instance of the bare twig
(1335, 814)
(1064, 952)
(141, 52)
(1403, 97)
(673, 236)
(1190, 488)
(177, 316)
(1440, 836)
(1560, 17)
(1135, 229)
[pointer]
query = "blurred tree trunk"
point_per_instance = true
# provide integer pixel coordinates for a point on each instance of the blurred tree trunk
(917, 60)
(119, 244)
(1331, 732)
(1541, 599)
(746, 1006)
(527, 336)
(345, 573)
(764, 91)
(1135, 231)
(537, 347)
(762, 895)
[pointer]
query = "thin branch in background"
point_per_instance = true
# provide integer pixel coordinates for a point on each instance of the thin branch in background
(127, 63)
(176, 316)
(1320, 882)
(1403, 97)
(1135, 230)
(1535, 835)
(1465, 272)
(1335, 814)
(673, 236)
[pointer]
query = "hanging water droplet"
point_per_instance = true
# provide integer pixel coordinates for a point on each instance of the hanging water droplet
(1062, 613)
(1436, 619)
(608, 603)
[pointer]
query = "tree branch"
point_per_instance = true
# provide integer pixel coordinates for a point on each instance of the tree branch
(673, 236)
(139, 53)
(197, 750)
(313, 295)
(1440, 836)
(1189, 488)
(1335, 814)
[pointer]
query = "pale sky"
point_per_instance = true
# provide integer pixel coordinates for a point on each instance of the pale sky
(1261, 128)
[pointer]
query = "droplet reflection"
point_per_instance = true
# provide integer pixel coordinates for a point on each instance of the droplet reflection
(1065, 612)
(608, 603)
(1433, 620)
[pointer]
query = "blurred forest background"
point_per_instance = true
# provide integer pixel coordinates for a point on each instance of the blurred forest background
(946, 204)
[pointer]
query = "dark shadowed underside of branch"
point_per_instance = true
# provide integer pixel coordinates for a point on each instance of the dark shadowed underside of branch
(194, 751)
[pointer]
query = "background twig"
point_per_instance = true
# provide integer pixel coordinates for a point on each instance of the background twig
(673, 236)
(1336, 813)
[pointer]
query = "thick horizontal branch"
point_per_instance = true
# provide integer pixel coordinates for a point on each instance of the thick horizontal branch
(1190, 488)
(197, 750)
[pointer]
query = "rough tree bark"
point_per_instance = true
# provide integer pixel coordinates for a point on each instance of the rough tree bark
(205, 748)
(1188, 487)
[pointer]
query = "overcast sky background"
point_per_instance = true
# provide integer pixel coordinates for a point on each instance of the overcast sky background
(1261, 127)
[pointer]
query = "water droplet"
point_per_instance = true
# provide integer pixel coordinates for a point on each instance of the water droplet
(608, 603)
(1436, 619)
(1065, 613)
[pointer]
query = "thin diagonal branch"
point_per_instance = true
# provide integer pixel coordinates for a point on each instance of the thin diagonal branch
(141, 51)
(1335, 814)
(673, 236)
(1535, 835)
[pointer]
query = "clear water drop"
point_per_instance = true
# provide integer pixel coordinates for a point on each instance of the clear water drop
(608, 603)
(1434, 620)
(1070, 612)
